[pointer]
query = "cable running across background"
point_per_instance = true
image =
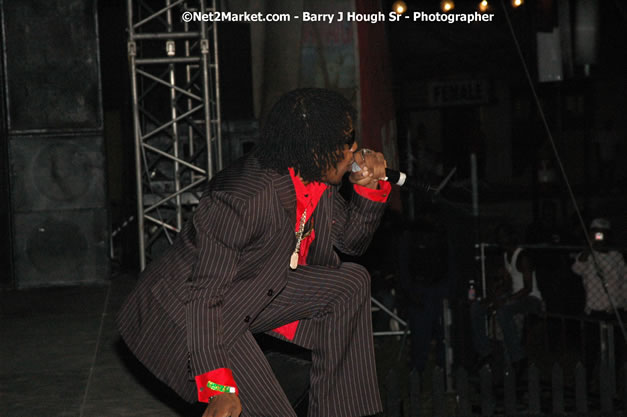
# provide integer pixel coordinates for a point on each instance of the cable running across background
(545, 124)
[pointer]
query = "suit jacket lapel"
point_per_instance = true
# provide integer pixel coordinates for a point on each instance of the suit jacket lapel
(284, 188)
(321, 251)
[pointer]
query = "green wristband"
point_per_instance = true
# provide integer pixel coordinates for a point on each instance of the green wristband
(220, 388)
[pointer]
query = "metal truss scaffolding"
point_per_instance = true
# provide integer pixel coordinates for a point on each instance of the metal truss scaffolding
(176, 114)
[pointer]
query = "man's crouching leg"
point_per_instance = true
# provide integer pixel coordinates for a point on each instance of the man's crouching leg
(343, 372)
(332, 307)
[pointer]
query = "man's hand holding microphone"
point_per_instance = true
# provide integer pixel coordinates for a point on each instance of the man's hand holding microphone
(368, 168)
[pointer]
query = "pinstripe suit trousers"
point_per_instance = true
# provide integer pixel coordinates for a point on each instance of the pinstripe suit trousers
(333, 306)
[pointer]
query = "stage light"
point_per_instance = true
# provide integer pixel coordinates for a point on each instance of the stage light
(483, 6)
(170, 48)
(399, 7)
(516, 3)
(447, 5)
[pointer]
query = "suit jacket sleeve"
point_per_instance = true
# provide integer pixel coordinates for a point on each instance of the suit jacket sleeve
(223, 228)
(355, 222)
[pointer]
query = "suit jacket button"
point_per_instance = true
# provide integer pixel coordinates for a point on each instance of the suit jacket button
(246, 319)
(270, 293)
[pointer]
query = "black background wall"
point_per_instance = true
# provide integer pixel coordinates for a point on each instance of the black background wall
(54, 144)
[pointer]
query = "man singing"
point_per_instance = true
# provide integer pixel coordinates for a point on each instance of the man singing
(259, 255)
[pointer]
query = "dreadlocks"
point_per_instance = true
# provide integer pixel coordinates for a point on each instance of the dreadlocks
(306, 130)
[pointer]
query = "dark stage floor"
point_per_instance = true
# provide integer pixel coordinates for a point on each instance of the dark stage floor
(60, 355)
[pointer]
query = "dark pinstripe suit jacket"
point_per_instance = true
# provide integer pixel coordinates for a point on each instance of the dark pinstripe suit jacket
(191, 304)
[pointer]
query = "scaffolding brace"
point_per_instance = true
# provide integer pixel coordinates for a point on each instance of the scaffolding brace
(176, 114)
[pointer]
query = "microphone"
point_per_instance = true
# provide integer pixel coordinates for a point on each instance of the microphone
(396, 177)
(401, 179)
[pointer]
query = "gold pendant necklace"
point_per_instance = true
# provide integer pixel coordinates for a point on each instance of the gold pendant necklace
(299, 238)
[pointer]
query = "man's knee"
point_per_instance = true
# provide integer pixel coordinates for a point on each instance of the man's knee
(356, 278)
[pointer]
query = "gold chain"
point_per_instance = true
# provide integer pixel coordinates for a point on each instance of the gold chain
(299, 238)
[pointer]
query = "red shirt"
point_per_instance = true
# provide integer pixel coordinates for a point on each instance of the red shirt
(307, 197)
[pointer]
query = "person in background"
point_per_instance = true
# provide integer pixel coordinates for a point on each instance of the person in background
(524, 298)
(611, 270)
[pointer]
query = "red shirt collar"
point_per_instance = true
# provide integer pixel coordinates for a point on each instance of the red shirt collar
(307, 196)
